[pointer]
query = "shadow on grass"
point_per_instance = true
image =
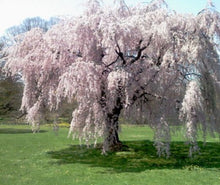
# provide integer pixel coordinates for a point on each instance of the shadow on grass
(140, 156)
(17, 131)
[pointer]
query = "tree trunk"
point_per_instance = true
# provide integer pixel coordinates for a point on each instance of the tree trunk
(112, 141)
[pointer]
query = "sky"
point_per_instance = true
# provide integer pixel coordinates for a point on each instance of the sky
(13, 12)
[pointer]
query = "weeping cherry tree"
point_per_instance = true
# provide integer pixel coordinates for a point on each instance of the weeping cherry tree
(144, 62)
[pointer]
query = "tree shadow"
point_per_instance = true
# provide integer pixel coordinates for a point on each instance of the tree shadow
(17, 131)
(140, 156)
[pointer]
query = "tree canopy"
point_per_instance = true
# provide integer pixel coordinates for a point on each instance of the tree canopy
(145, 62)
(11, 87)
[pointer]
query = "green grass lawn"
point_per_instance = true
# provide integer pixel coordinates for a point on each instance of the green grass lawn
(46, 158)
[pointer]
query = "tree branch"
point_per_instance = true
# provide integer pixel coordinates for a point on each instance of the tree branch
(120, 54)
(159, 58)
(140, 50)
(112, 62)
(144, 95)
(20, 116)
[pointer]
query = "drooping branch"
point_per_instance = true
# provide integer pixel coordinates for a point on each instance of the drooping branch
(141, 92)
(187, 72)
(137, 95)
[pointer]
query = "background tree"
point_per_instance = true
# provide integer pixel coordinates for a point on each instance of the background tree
(137, 61)
(34, 22)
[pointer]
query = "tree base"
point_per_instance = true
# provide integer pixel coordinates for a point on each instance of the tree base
(119, 146)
